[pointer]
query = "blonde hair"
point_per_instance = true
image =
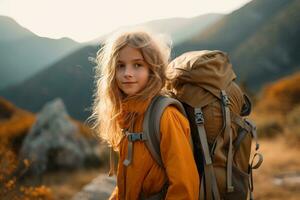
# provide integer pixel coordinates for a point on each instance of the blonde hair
(107, 96)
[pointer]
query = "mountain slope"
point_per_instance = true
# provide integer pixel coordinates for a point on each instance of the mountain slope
(71, 78)
(23, 53)
(10, 30)
(234, 28)
(179, 29)
(75, 84)
(260, 38)
(273, 51)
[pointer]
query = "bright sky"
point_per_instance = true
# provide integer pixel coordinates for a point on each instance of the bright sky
(84, 20)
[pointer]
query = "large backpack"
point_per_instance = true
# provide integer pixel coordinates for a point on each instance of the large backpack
(203, 88)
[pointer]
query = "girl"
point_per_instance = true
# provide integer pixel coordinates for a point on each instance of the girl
(130, 72)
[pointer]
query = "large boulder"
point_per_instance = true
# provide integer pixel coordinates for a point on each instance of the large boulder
(54, 142)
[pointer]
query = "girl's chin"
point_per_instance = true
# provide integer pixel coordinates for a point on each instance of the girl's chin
(130, 93)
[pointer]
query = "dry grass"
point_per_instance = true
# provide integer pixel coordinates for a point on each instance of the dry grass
(65, 185)
(279, 157)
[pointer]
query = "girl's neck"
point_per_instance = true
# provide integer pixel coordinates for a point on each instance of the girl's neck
(130, 110)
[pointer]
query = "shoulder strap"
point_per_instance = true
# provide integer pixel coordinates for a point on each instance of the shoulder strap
(151, 124)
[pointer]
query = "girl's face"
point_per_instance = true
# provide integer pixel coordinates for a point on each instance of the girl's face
(132, 72)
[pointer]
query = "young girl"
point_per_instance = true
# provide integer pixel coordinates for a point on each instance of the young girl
(130, 72)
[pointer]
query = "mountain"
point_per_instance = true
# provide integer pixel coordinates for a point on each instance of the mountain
(22, 53)
(179, 29)
(261, 38)
(236, 27)
(10, 30)
(273, 51)
(70, 78)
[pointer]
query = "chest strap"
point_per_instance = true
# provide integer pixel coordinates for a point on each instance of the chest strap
(132, 137)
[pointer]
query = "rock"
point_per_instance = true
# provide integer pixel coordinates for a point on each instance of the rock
(99, 189)
(288, 179)
(54, 142)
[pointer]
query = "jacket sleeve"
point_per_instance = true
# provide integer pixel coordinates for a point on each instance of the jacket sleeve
(114, 194)
(177, 156)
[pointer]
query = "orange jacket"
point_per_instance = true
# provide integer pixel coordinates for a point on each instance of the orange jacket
(145, 175)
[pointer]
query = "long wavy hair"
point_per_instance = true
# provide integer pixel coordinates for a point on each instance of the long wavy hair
(108, 98)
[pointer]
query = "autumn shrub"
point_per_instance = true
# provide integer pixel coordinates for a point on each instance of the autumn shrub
(281, 96)
(293, 123)
(269, 127)
(14, 126)
(275, 111)
(11, 187)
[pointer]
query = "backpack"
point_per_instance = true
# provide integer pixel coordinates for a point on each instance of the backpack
(203, 89)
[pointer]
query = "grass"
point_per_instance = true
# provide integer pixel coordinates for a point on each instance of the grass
(65, 184)
(280, 156)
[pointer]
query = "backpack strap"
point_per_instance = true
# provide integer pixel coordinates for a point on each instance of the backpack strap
(211, 187)
(246, 126)
(132, 137)
(151, 132)
(228, 138)
(151, 124)
(251, 167)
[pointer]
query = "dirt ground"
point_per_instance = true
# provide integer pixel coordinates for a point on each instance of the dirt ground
(65, 185)
(280, 157)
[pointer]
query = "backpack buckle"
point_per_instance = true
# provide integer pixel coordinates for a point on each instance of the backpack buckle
(199, 116)
(224, 98)
(132, 137)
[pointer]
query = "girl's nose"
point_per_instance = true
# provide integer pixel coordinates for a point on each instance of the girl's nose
(128, 72)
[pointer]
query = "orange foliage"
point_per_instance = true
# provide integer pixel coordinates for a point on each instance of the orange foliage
(10, 188)
(41, 192)
(281, 96)
(14, 122)
(275, 111)
(84, 129)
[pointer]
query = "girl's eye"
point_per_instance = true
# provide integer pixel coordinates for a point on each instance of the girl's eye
(137, 65)
(120, 65)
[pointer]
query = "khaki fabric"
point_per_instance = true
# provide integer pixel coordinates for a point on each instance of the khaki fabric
(195, 73)
(197, 78)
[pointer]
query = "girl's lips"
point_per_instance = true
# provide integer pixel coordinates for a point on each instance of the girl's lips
(129, 82)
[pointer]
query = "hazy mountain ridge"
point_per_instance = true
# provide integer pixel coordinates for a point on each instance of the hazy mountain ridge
(75, 84)
(179, 29)
(22, 53)
(253, 37)
(234, 28)
(11, 30)
(71, 78)
(274, 49)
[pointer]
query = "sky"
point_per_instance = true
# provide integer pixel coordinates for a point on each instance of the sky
(85, 20)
